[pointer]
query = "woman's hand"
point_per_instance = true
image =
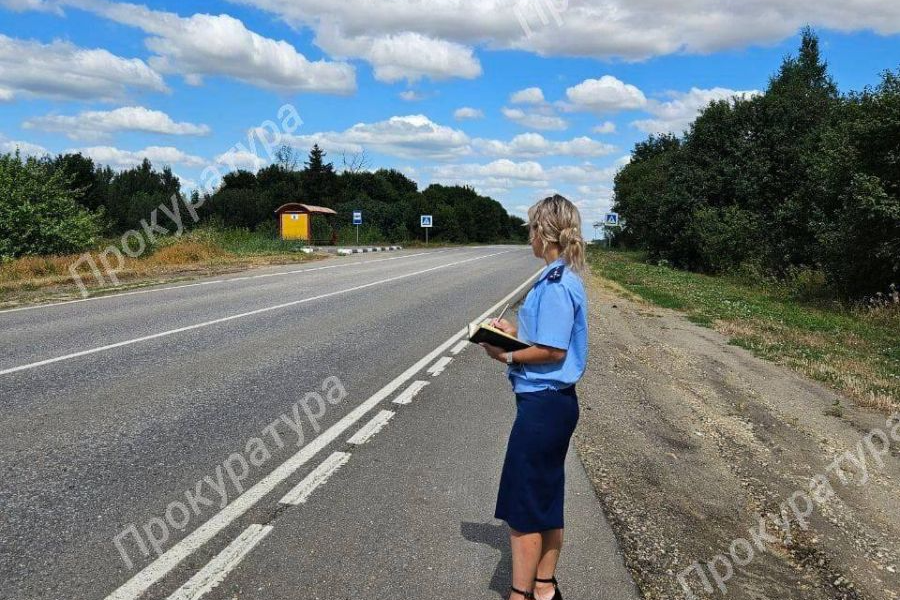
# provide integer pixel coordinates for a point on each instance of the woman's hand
(505, 326)
(498, 354)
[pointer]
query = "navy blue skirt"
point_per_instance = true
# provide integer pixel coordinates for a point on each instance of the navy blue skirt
(532, 484)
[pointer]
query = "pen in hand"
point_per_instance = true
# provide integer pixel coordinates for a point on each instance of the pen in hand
(502, 312)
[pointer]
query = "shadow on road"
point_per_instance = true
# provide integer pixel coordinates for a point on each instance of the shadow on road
(497, 537)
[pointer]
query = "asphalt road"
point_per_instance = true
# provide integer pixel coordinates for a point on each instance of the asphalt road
(154, 410)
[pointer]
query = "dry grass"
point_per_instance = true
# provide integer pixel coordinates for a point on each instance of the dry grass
(34, 277)
(187, 252)
(31, 272)
(855, 351)
(35, 268)
(855, 378)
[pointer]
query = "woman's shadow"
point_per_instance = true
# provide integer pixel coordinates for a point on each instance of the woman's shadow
(497, 537)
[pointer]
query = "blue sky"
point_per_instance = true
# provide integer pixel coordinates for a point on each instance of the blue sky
(453, 91)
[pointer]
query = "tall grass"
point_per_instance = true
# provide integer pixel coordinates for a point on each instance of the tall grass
(853, 349)
(195, 250)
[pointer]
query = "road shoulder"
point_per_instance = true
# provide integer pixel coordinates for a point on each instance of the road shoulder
(690, 441)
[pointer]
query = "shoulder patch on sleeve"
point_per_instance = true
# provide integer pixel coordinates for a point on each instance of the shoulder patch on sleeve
(556, 274)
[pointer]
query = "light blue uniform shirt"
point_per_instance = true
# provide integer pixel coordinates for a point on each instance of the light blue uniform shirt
(554, 314)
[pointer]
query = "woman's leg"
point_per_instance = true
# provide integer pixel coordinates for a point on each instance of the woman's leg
(551, 544)
(526, 553)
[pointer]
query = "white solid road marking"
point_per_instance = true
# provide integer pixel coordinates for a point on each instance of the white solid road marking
(406, 396)
(258, 311)
(214, 281)
(438, 367)
(317, 477)
(371, 428)
(219, 567)
(135, 587)
(459, 347)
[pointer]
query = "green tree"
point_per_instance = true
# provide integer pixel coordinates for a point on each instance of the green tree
(796, 177)
(857, 165)
(793, 114)
(319, 179)
(641, 194)
(90, 181)
(134, 193)
(39, 210)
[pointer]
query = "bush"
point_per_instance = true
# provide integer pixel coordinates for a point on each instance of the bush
(39, 213)
(806, 284)
(726, 238)
(861, 248)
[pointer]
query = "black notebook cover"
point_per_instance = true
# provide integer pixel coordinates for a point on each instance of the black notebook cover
(485, 334)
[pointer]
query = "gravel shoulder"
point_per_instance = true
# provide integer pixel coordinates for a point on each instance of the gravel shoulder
(690, 442)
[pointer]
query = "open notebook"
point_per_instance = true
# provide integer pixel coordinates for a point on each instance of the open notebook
(483, 333)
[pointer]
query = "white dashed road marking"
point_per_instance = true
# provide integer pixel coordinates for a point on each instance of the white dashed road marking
(317, 477)
(438, 367)
(219, 567)
(135, 587)
(406, 396)
(459, 347)
(371, 428)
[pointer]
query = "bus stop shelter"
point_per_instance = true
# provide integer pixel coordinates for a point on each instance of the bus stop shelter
(295, 220)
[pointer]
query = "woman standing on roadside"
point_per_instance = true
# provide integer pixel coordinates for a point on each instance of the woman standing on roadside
(553, 319)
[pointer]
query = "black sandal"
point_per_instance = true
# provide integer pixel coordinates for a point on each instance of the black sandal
(526, 595)
(557, 595)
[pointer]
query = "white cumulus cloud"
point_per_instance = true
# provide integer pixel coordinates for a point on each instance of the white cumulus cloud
(467, 112)
(500, 174)
(605, 95)
(605, 127)
(677, 114)
(404, 55)
(62, 70)
(203, 45)
(532, 95)
(604, 29)
(535, 145)
(410, 136)
(506, 174)
(236, 159)
(158, 155)
(24, 148)
(534, 119)
(23, 5)
(97, 124)
(411, 96)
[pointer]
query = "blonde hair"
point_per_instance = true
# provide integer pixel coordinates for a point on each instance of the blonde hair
(555, 220)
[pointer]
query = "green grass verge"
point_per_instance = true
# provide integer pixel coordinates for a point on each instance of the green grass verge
(857, 352)
(244, 242)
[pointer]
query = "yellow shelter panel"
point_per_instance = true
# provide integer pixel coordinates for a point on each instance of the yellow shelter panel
(294, 226)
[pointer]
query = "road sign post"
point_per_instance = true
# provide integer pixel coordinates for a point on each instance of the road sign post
(357, 220)
(425, 221)
(610, 220)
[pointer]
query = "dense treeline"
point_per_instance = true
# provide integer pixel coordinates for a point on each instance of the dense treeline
(391, 203)
(62, 204)
(798, 179)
